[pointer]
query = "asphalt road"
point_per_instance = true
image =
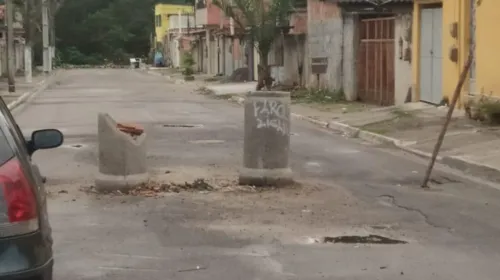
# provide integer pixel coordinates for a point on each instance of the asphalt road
(347, 188)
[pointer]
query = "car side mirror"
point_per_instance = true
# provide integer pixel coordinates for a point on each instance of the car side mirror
(46, 139)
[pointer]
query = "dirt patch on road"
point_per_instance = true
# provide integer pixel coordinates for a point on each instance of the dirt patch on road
(193, 180)
(200, 185)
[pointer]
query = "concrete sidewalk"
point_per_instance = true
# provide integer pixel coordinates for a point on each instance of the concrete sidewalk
(25, 90)
(414, 127)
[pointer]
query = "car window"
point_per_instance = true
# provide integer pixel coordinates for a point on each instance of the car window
(14, 128)
(6, 152)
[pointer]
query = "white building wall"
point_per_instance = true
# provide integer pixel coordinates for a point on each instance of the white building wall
(402, 62)
(185, 22)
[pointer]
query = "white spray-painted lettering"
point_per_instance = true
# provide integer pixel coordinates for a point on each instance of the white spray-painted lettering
(271, 114)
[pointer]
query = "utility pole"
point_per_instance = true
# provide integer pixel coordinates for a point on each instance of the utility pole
(28, 74)
(10, 45)
(52, 30)
(47, 67)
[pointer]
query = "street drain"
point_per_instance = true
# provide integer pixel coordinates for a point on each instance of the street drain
(370, 239)
(73, 146)
(182, 125)
(206, 141)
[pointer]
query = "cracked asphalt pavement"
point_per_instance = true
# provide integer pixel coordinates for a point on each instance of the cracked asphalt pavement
(347, 187)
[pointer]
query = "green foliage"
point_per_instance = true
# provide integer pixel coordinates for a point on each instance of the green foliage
(483, 108)
(104, 31)
(187, 64)
(318, 95)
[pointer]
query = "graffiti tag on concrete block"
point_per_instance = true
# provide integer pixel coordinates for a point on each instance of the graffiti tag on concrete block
(271, 114)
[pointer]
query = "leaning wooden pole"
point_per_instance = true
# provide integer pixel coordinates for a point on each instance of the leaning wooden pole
(454, 100)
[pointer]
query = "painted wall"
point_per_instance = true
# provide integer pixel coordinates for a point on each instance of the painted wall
(187, 20)
(487, 46)
(210, 15)
(164, 10)
(402, 62)
(298, 21)
(453, 11)
(325, 32)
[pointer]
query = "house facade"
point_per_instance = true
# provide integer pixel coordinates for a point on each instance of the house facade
(442, 38)
(376, 56)
(177, 39)
(162, 11)
(362, 48)
(219, 44)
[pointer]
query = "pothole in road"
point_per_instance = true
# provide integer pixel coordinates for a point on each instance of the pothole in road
(183, 125)
(368, 239)
(74, 146)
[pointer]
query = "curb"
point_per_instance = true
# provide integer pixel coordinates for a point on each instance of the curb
(471, 167)
(168, 77)
(40, 86)
(455, 162)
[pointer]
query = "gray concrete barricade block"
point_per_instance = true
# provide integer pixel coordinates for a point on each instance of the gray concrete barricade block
(267, 139)
(122, 157)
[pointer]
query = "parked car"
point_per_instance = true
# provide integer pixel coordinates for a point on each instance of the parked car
(25, 233)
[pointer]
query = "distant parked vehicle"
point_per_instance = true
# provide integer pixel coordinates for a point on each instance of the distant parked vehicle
(25, 233)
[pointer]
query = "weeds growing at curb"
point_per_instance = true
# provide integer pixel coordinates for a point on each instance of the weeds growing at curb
(222, 96)
(205, 91)
(484, 109)
(318, 95)
(399, 113)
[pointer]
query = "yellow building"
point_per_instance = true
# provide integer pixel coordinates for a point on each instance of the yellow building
(442, 35)
(161, 17)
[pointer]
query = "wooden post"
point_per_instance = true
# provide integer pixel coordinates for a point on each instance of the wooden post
(453, 103)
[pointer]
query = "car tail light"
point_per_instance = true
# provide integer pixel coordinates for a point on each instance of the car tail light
(18, 208)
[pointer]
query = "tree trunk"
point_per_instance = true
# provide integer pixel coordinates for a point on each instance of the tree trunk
(264, 79)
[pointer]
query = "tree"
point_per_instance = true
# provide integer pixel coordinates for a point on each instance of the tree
(187, 64)
(263, 21)
(96, 31)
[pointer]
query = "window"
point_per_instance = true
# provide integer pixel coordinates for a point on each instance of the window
(6, 152)
(12, 128)
(158, 20)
